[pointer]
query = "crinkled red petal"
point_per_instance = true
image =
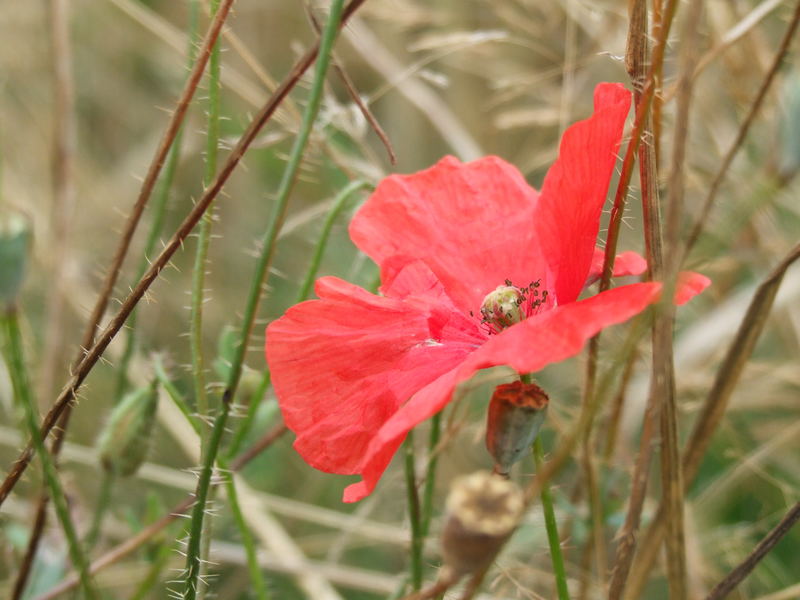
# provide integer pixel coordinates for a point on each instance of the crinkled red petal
(341, 366)
(471, 223)
(528, 346)
(689, 285)
(574, 191)
(627, 263)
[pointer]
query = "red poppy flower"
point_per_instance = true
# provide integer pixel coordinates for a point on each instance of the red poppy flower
(477, 270)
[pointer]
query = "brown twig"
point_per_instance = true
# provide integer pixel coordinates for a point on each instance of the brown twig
(663, 364)
(355, 96)
(662, 387)
(745, 127)
(176, 241)
(742, 570)
(714, 409)
(130, 545)
(59, 412)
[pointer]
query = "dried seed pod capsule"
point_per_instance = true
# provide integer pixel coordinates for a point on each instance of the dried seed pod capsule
(482, 512)
(124, 441)
(515, 414)
(15, 242)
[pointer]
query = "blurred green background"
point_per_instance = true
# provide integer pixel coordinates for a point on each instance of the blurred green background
(461, 77)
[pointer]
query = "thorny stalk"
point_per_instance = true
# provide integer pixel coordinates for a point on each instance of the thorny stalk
(645, 87)
(60, 410)
(130, 545)
(661, 396)
(94, 353)
(18, 372)
(199, 279)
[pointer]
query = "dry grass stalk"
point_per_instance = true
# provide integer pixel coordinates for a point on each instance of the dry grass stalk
(708, 203)
(714, 407)
(735, 577)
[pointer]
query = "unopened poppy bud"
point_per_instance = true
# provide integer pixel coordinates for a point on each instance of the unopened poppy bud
(15, 239)
(501, 307)
(124, 441)
(515, 414)
(482, 512)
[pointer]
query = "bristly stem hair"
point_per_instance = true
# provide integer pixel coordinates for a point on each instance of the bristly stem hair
(22, 391)
(193, 562)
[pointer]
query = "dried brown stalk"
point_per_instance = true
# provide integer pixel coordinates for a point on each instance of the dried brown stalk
(176, 241)
(742, 570)
(714, 409)
(661, 402)
(745, 127)
(182, 508)
(664, 369)
(355, 96)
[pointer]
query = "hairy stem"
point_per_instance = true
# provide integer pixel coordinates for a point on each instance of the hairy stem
(96, 350)
(22, 390)
(556, 556)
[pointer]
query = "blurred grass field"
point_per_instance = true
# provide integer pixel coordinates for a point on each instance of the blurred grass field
(467, 78)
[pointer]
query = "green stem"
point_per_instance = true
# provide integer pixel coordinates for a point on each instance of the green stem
(193, 553)
(103, 501)
(204, 233)
(159, 211)
(339, 204)
(284, 190)
(413, 513)
(20, 383)
(247, 423)
(430, 476)
(174, 394)
(256, 578)
(552, 528)
(199, 270)
(265, 259)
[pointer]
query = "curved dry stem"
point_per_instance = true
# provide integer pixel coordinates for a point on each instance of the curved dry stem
(743, 569)
(713, 410)
(67, 395)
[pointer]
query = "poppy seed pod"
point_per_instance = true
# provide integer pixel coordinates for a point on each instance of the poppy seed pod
(482, 512)
(15, 242)
(516, 413)
(124, 441)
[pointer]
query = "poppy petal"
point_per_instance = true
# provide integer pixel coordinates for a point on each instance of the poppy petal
(574, 191)
(471, 223)
(342, 365)
(689, 285)
(528, 346)
(627, 263)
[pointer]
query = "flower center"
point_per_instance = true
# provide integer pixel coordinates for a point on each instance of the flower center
(508, 304)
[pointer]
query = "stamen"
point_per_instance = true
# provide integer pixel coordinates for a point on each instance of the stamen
(508, 304)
